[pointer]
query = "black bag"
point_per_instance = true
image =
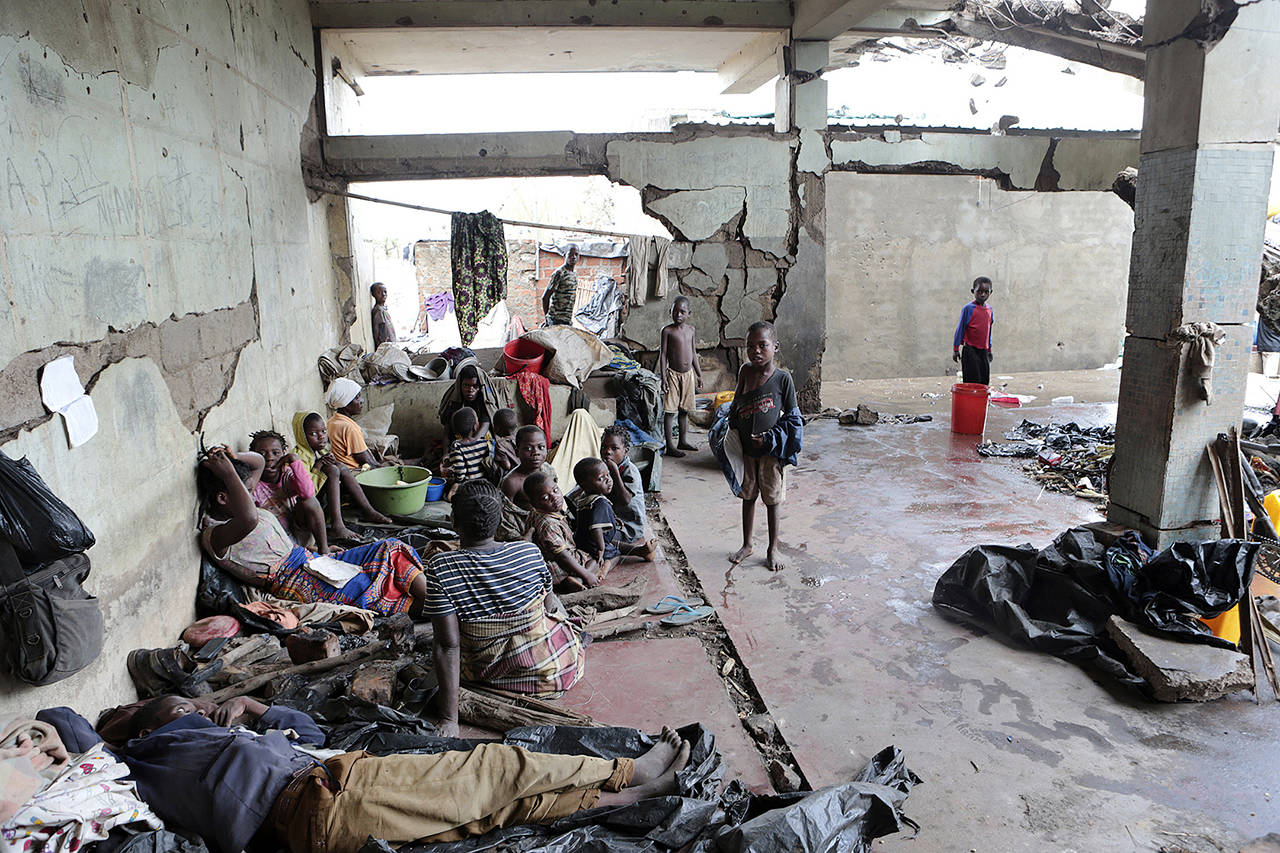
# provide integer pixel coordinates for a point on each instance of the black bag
(49, 626)
(41, 527)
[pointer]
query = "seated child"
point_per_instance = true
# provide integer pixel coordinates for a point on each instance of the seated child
(346, 438)
(595, 529)
(505, 459)
(331, 477)
(249, 543)
(469, 456)
(627, 496)
(286, 488)
(571, 568)
(531, 450)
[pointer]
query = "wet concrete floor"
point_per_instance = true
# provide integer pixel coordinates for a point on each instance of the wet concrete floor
(1018, 750)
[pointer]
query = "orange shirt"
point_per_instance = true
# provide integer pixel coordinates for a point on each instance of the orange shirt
(346, 439)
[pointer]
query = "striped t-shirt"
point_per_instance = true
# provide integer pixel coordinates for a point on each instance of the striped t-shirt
(484, 584)
(467, 460)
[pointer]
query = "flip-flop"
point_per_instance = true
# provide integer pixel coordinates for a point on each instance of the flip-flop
(685, 614)
(672, 603)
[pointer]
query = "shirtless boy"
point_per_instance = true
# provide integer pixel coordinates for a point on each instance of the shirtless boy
(681, 375)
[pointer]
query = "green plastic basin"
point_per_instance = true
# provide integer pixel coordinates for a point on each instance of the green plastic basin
(380, 487)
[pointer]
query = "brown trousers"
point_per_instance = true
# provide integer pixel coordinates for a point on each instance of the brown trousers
(443, 797)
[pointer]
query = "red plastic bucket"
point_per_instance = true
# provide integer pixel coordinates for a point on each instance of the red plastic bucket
(522, 354)
(969, 407)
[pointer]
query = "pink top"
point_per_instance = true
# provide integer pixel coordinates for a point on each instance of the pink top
(280, 498)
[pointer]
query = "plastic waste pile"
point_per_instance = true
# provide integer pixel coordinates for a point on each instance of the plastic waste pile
(1063, 457)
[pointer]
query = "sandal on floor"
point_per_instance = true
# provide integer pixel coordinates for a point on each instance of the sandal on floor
(684, 615)
(672, 603)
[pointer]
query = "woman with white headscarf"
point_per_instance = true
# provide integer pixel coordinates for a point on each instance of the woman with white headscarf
(346, 438)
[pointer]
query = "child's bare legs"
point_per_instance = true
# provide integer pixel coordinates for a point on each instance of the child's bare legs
(685, 443)
(357, 497)
(771, 560)
(748, 527)
(640, 548)
(333, 488)
(309, 517)
(669, 424)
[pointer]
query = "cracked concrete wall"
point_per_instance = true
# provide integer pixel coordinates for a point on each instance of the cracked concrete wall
(898, 274)
(154, 224)
(729, 203)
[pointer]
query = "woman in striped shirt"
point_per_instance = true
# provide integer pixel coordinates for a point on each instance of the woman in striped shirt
(488, 604)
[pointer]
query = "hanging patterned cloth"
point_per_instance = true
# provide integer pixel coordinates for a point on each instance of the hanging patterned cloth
(479, 256)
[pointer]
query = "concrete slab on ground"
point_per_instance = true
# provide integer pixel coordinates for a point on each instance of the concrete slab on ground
(905, 395)
(1018, 750)
(659, 681)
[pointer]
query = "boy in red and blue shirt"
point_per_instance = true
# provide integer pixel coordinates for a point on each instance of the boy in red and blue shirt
(972, 343)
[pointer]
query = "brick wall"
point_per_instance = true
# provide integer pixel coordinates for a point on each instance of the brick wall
(529, 272)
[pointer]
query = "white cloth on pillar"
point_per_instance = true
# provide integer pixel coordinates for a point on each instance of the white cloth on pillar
(1204, 339)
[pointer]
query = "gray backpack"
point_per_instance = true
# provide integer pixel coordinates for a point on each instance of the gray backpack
(50, 628)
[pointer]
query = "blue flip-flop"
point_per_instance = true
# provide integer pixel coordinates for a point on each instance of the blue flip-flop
(684, 614)
(672, 603)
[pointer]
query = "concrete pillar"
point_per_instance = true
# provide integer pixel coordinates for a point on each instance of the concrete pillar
(802, 309)
(1207, 134)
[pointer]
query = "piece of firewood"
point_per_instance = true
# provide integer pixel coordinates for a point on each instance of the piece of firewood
(251, 684)
(606, 597)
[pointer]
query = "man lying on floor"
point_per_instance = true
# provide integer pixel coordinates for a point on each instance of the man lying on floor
(227, 784)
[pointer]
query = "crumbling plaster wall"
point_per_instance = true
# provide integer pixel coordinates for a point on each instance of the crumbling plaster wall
(154, 224)
(898, 274)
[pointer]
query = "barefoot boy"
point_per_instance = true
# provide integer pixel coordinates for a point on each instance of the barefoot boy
(681, 375)
(766, 415)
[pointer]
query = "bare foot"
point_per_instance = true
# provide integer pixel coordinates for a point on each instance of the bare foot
(654, 763)
(650, 550)
(773, 563)
(343, 532)
(674, 453)
(740, 554)
(661, 786)
(684, 445)
(378, 518)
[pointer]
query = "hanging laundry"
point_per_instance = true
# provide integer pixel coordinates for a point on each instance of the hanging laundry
(535, 390)
(661, 245)
(479, 260)
(638, 269)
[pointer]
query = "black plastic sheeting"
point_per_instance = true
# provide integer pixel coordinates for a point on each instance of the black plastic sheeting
(840, 819)
(124, 840)
(34, 520)
(1058, 599)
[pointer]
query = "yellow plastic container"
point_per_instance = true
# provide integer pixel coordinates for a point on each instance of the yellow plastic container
(1227, 624)
(727, 397)
(1271, 503)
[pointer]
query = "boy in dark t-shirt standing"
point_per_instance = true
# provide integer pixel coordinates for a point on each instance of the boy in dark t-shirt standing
(766, 415)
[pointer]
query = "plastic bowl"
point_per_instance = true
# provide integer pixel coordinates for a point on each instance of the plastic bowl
(522, 354)
(380, 487)
(435, 488)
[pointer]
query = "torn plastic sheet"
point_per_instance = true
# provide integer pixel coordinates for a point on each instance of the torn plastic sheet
(1058, 599)
(840, 819)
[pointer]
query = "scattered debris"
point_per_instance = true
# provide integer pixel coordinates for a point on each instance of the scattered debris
(1068, 457)
(861, 416)
(784, 779)
(1180, 671)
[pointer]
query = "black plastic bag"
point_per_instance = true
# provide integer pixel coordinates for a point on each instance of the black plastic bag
(217, 591)
(39, 525)
(125, 840)
(1058, 599)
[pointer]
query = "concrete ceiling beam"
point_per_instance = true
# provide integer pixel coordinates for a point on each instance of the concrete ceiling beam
(1122, 59)
(751, 67)
(822, 20)
(372, 14)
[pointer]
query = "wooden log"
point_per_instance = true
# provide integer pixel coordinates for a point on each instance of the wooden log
(487, 712)
(626, 627)
(521, 700)
(251, 684)
(606, 597)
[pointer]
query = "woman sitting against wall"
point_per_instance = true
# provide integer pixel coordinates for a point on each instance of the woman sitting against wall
(249, 543)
